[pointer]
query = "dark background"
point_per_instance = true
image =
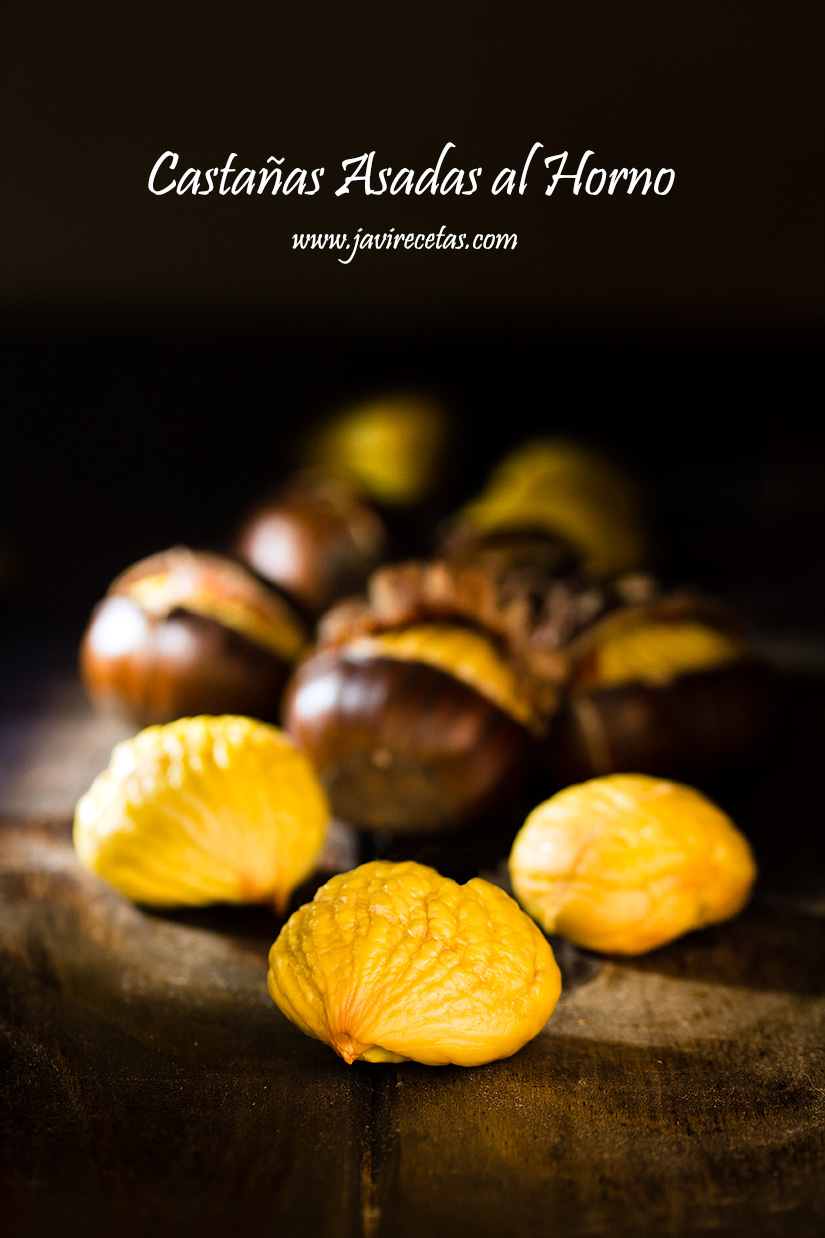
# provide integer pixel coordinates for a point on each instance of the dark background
(162, 352)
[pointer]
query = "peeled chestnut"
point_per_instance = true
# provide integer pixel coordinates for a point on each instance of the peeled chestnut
(185, 633)
(666, 687)
(626, 863)
(316, 540)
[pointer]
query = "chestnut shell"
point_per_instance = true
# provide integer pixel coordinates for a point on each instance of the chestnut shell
(698, 720)
(316, 543)
(402, 745)
(158, 668)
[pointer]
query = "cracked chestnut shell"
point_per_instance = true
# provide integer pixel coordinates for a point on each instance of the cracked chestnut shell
(184, 633)
(659, 714)
(316, 540)
(421, 705)
(568, 491)
(402, 745)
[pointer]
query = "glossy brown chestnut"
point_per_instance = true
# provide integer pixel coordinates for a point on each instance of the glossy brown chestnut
(657, 683)
(185, 633)
(316, 540)
(402, 745)
(698, 720)
(568, 490)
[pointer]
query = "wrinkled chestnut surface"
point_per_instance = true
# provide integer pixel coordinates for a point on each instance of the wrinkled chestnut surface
(393, 962)
(401, 745)
(627, 863)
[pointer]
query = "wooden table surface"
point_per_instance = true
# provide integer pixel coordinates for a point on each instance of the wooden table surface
(150, 1086)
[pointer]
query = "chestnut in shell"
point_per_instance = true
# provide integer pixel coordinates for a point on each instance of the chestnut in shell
(567, 490)
(669, 687)
(316, 540)
(411, 730)
(184, 633)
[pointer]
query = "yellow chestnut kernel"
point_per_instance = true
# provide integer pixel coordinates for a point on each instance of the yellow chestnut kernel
(268, 623)
(573, 492)
(390, 447)
(203, 810)
(393, 962)
(461, 652)
(623, 864)
(657, 653)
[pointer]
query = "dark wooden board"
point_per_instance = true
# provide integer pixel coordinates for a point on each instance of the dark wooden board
(151, 1087)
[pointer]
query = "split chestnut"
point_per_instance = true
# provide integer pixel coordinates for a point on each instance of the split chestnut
(184, 633)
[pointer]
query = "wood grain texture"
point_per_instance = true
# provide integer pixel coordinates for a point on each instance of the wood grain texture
(150, 1085)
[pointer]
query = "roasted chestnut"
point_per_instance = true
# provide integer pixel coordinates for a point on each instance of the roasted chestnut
(418, 713)
(184, 633)
(392, 447)
(629, 862)
(399, 744)
(510, 550)
(567, 490)
(316, 540)
(666, 687)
